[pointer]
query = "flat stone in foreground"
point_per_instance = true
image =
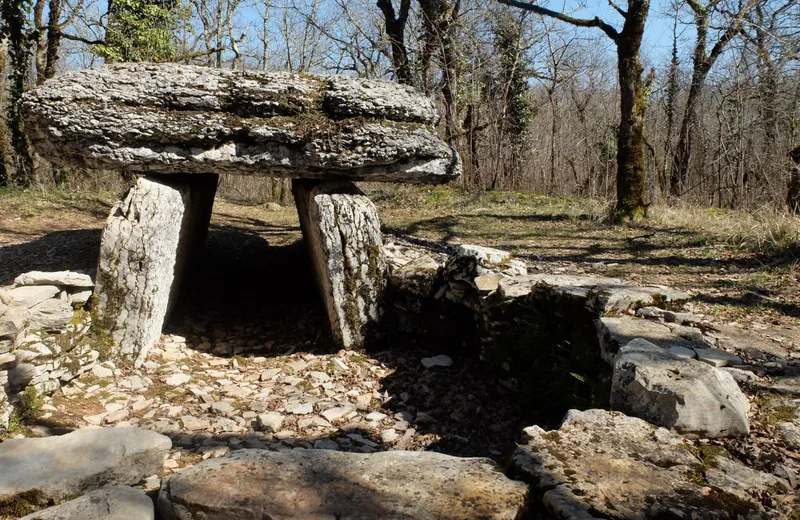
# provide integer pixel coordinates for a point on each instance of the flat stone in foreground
(602, 464)
(81, 461)
(109, 503)
(325, 484)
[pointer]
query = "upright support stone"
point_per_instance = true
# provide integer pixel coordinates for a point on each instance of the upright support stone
(343, 234)
(145, 246)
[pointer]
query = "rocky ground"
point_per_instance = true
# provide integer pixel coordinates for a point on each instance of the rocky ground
(246, 360)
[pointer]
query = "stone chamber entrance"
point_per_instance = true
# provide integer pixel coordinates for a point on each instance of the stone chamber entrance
(267, 309)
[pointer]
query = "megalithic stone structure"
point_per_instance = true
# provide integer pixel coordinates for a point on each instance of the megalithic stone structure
(180, 126)
(343, 235)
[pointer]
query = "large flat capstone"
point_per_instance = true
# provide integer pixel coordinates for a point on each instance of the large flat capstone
(324, 484)
(170, 118)
(81, 461)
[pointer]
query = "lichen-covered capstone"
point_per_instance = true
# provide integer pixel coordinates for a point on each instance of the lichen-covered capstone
(169, 118)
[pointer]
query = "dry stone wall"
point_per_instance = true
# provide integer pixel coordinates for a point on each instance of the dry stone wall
(40, 354)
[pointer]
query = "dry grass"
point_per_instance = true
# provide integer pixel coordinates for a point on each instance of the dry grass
(744, 264)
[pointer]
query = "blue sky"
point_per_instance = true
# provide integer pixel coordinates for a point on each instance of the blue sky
(658, 31)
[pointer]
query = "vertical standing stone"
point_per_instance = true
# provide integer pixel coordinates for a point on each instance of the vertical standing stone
(342, 231)
(145, 246)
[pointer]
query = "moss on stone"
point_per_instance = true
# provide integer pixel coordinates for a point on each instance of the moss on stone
(22, 504)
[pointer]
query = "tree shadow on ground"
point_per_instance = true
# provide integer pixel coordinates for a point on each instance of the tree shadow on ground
(73, 250)
(248, 297)
(502, 231)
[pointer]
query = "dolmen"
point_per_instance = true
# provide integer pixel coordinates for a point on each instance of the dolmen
(179, 127)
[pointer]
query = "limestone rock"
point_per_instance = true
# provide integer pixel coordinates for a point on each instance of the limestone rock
(59, 278)
(343, 235)
(602, 464)
(170, 118)
(417, 276)
(683, 394)
(51, 315)
(614, 333)
(598, 294)
(81, 461)
(484, 255)
(716, 357)
(144, 248)
(330, 484)
(108, 503)
(30, 296)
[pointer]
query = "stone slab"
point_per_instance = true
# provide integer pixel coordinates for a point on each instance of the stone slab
(30, 296)
(326, 484)
(109, 503)
(602, 464)
(81, 461)
(170, 118)
(59, 278)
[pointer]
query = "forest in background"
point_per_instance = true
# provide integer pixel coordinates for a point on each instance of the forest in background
(536, 98)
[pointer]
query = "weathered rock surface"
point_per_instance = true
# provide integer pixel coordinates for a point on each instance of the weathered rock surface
(343, 235)
(600, 295)
(108, 503)
(603, 464)
(615, 333)
(683, 394)
(51, 315)
(144, 247)
(59, 278)
(81, 461)
(169, 118)
(30, 296)
(329, 484)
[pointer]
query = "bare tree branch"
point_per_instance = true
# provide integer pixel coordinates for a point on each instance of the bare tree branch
(610, 31)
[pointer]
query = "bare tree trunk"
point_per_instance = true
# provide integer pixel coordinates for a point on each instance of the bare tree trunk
(395, 30)
(53, 38)
(793, 195)
(702, 61)
(631, 154)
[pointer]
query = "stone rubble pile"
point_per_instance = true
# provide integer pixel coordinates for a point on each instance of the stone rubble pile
(658, 374)
(43, 329)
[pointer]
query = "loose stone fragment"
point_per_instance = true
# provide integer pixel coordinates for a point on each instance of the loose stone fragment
(684, 394)
(305, 484)
(717, 358)
(108, 503)
(437, 361)
(72, 464)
